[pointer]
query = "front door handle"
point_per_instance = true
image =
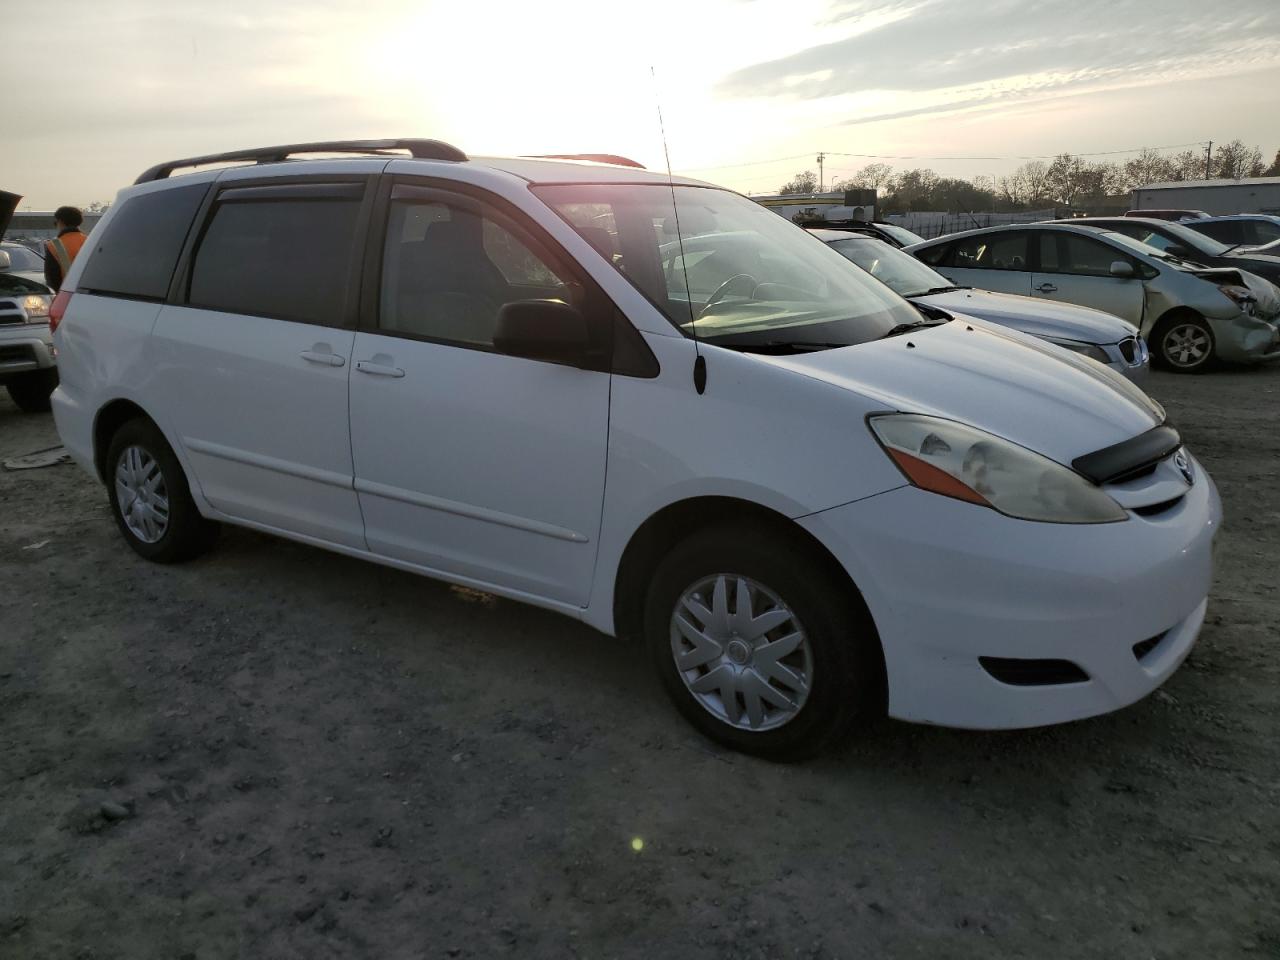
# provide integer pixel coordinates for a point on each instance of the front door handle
(378, 369)
(1047, 288)
(329, 359)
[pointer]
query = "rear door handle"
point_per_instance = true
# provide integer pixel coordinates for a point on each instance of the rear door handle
(1047, 288)
(318, 356)
(378, 369)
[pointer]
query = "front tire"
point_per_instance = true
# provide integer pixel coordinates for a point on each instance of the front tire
(760, 645)
(1184, 344)
(150, 499)
(31, 391)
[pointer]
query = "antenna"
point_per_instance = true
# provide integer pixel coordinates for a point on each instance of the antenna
(699, 362)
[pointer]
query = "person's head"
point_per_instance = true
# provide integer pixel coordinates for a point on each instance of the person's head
(65, 217)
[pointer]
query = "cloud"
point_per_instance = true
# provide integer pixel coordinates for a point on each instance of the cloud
(956, 53)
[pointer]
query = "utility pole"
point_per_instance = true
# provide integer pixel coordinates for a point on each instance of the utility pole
(821, 157)
(1208, 162)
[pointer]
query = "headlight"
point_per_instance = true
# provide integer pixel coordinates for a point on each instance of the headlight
(1242, 297)
(955, 460)
(37, 306)
(1084, 349)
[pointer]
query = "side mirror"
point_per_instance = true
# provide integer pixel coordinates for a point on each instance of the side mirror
(1122, 269)
(5, 261)
(549, 330)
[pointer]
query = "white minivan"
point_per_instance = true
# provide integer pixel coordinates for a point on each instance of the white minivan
(811, 503)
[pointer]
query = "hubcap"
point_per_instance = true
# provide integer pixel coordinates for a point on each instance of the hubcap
(747, 661)
(141, 495)
(1187, 345)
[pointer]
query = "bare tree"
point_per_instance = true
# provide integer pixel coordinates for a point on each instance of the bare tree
(806, 182)
(1147, 167)
(1234, 161)
(877, 175)
(1274, 169)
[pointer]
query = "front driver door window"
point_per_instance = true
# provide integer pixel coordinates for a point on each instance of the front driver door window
(1077, 269)
(990, 261)
(468, 462)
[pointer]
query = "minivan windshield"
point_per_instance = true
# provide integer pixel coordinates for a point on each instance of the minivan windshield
(902, 272)
(727, 269)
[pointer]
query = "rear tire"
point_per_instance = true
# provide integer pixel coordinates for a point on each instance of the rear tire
(150, 499)
(1184, 343)
(734, 686)
(31, 391)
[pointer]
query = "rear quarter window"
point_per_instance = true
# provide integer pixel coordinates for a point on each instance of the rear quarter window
(138, 248)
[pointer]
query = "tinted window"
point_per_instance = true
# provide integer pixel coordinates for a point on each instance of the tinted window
(936, 256)
(990, 251)
(135, 253)
(1264, 232)
(1069, 253)
(282, 258)
(448, 269)
(20, 258)
(1228, 231)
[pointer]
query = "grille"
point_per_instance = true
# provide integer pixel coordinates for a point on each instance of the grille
(1129, 350)
(16, 355)
(1144, 647)
(9, 312)
(1033, 673)
(1155, 509)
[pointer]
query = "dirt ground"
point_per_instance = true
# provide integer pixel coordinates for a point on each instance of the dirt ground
(303, 755)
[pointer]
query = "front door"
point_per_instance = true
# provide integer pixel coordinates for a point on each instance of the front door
(252, 370)
(1077, 269)
(467, 461)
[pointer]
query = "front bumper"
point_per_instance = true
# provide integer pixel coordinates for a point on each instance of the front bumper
(1246, 339)
(25, 347)
(949, 582)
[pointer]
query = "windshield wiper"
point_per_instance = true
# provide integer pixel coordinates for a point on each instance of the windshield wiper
(933, 290)
(914, 325)
(787, 346)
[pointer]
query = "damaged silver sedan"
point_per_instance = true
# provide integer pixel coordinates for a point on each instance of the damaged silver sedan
(1189, 314)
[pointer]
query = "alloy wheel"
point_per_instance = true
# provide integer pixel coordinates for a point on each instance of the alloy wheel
(1187, 345)
(748, 661)
(141, 495)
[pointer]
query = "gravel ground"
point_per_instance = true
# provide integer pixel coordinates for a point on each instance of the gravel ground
(278, 752)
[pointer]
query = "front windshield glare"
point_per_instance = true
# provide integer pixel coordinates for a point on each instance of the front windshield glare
(732, 272)
(902, 272)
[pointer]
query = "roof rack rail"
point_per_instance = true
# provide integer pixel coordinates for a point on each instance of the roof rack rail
(612, 158)
(419, 149)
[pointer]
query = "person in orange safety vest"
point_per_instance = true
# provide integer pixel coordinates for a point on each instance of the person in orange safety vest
(61, 251)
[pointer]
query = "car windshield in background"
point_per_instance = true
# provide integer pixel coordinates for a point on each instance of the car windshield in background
(901, 234)
(20, 258)
(1186, 237)
(1138, 246)
(735, 274)
(902, 272)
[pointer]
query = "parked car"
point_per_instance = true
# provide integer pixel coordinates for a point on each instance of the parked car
(810, 503)
(1166, 214)
(1189, 315)
(1179, 240)
(890, 233)
(1090, 333)
(27, 369)
(1244, 230)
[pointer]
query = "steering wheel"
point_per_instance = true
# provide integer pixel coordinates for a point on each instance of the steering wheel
(723, 290)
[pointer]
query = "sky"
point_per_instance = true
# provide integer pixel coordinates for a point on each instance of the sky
(749, 90)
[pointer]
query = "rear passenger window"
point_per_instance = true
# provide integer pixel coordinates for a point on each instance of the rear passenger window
(277, 257)
(135, 254)
(990, 251)
(939, 256)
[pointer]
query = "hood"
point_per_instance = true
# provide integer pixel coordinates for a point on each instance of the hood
(1040, 318)
(1265, 292)
(1039, 396)
(8, 204)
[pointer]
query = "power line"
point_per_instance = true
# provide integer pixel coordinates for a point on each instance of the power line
(878, 156)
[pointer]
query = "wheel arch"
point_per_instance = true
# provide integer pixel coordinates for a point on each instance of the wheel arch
(676, 521)
(108, 420)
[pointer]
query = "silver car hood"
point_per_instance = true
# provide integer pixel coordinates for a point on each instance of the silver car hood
(1038, 317)
(1036, 395)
